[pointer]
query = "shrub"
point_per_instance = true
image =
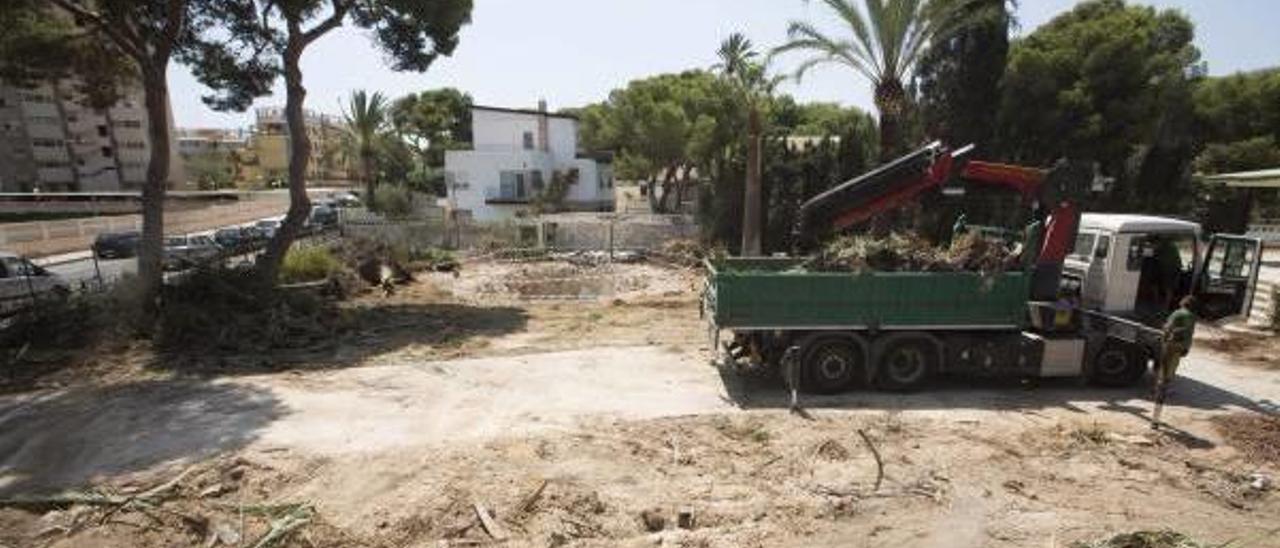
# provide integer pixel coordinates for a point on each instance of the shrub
(308, 264)
(393, 200)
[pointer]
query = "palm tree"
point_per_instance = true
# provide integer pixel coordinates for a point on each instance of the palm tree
(888, 38)
(754, 85)
(366, 120)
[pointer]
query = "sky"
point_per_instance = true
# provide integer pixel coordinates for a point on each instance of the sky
(574, 52)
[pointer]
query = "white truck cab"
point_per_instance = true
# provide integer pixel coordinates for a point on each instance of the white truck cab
(1140, 266)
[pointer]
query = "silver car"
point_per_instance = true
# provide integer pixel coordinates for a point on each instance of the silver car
(190, 250)
(22, 282)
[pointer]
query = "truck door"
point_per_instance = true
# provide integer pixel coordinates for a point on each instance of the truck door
(1228, 278)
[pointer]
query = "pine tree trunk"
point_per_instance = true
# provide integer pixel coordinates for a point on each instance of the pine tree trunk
(151, 244)
(299, 157)
(751, 215)
(366, 170)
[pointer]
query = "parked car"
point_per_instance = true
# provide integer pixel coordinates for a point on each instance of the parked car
(323, 216)
(190, 250)
(110, 245)
(345, 199)
(269, 226)
(21, 281)
(238, 239)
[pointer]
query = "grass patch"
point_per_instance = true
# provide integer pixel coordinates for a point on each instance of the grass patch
(308, 264)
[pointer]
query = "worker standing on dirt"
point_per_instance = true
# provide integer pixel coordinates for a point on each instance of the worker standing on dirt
(1175, 343)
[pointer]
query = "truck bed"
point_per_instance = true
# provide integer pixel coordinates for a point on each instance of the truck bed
(760, 293)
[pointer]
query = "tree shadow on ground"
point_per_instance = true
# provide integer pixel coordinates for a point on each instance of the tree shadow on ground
(63, 439)
(954, 392)
(441, 329)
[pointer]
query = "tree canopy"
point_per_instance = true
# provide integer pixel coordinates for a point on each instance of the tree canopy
(1093, 81)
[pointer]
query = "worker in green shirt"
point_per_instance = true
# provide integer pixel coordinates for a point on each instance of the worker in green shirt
(1175, 342)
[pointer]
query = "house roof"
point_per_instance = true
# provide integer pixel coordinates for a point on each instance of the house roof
(1263, 178)
(1135, 223)
(528, 111)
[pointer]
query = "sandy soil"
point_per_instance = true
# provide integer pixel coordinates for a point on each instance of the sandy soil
(586, 422)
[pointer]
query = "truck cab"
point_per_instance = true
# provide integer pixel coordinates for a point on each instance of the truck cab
(1140, 266)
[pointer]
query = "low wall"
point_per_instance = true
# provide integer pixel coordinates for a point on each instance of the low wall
(41, 238)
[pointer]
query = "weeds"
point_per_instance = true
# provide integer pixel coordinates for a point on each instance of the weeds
(308, 264)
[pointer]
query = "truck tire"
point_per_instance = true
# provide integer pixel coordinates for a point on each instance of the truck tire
(1118, 364)
(832, 364)
(906, 361)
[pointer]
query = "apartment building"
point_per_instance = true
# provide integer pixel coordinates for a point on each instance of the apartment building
(515, 155)
(266, 156)
(49, 142)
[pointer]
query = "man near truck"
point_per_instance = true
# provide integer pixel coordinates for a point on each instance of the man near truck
(1175, 342)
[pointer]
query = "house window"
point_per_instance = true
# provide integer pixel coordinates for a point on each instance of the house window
(106, 152)
(47, 143)
(512, 185)
(528, 140)
(102, 131)
(535, 180)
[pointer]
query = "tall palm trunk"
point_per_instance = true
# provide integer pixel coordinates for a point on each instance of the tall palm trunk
(151, 244)
(366, 171)
(751, 215)
(891, 102)
(299, 157)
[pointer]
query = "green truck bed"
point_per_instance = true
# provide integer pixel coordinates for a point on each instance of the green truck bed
(771, 294)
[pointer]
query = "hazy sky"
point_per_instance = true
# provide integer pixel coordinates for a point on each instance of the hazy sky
(573, 52)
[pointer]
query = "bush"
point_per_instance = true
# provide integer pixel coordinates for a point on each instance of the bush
(393, 200)
(308, 264)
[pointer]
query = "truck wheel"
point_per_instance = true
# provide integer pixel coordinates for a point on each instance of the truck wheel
(833, 364)
(1118, 364)
(906, 362)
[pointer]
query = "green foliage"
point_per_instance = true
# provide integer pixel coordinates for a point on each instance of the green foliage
(666, 126)
(551, 198)
(1245, 155)
(959, 78)
(308, 264)
(394, 201)
(211, 170)
(38, 46)
(1092, 82)
(432, 122)
(883, 42)
(1240, 106)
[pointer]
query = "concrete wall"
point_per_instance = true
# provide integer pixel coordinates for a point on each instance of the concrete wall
(40, 238)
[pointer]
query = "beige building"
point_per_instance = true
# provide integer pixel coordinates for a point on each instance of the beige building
(265, 160)
(51, 143)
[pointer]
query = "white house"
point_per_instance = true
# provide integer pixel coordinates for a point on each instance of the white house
(515, 156)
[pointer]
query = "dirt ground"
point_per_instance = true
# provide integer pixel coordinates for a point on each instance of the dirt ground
(601, 420)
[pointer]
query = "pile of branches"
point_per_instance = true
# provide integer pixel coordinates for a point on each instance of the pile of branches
(233, 310)
(910, 252)
(1143, 539)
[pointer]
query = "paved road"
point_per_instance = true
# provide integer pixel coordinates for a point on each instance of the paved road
(83, 271)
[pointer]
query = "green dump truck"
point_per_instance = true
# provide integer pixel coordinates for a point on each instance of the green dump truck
(896, 330)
